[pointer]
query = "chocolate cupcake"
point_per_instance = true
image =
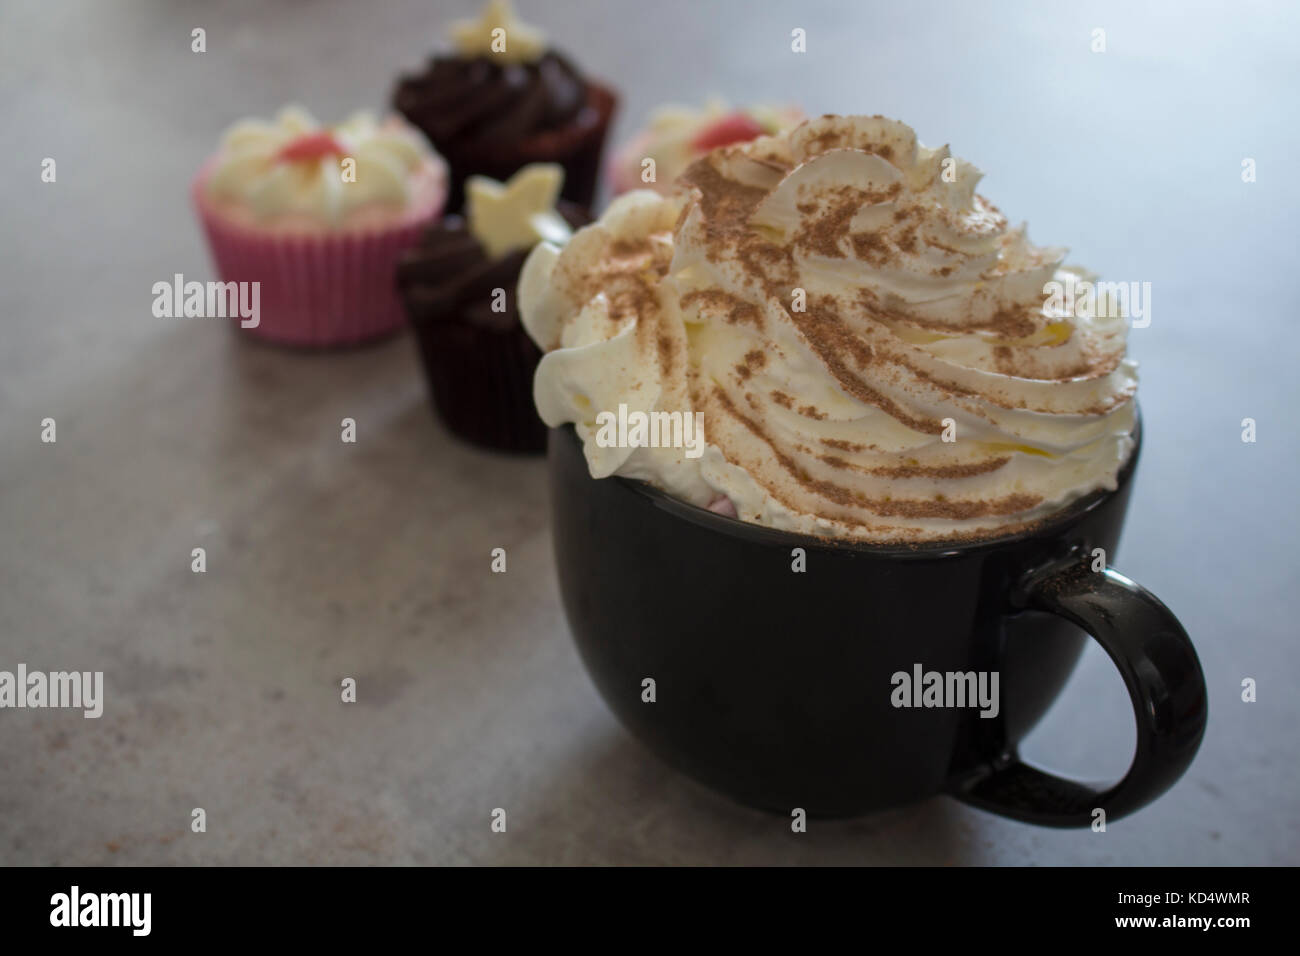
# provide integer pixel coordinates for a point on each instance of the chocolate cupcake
(503, 100)
(459, 289)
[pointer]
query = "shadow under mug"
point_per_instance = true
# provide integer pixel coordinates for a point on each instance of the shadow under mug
(776, 687)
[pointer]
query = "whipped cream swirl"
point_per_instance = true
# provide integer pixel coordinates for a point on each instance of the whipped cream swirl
(869, 342)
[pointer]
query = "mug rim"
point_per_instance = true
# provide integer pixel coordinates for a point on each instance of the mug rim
(764, 535)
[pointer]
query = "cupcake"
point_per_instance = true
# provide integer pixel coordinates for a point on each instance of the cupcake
(679, 135)
(459, 288)
(318, 216)
(505, 99)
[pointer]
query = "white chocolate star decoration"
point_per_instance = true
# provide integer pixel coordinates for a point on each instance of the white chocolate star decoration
(518, 214)
(500, 34)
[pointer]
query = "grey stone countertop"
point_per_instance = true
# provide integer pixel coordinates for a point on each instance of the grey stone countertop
(370, 560)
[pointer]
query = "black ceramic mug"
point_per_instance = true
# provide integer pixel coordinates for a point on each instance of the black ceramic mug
(778, 687)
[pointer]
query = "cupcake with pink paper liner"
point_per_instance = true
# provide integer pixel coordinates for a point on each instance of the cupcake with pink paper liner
(677, 135)
(318, 216)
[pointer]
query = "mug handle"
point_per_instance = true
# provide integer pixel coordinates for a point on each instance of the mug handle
(1164, 680)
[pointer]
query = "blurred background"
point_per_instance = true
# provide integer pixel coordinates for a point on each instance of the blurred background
(328, 560)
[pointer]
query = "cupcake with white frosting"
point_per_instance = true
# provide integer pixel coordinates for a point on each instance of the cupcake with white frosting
(319, 215)
(677, 136)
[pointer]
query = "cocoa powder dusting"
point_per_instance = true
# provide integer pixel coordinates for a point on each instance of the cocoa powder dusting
(847, 349)
(887, 507)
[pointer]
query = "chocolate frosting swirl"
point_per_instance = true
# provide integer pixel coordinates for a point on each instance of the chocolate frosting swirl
(481, 100)
(450, 277)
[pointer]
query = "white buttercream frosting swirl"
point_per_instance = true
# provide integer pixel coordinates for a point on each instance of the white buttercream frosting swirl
(870, 344)
(293, 166)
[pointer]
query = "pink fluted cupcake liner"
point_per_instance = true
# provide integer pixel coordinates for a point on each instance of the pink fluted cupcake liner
(319, 289)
